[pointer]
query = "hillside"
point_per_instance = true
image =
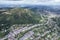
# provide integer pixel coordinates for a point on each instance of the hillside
(38, 24)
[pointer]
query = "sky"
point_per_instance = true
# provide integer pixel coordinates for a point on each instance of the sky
(34, 2)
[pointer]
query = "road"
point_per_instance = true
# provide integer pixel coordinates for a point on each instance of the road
(27, 35)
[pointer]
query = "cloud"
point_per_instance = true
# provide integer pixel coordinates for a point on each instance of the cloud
(43, 2)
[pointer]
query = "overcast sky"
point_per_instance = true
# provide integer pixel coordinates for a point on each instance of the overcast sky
(44, 2)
